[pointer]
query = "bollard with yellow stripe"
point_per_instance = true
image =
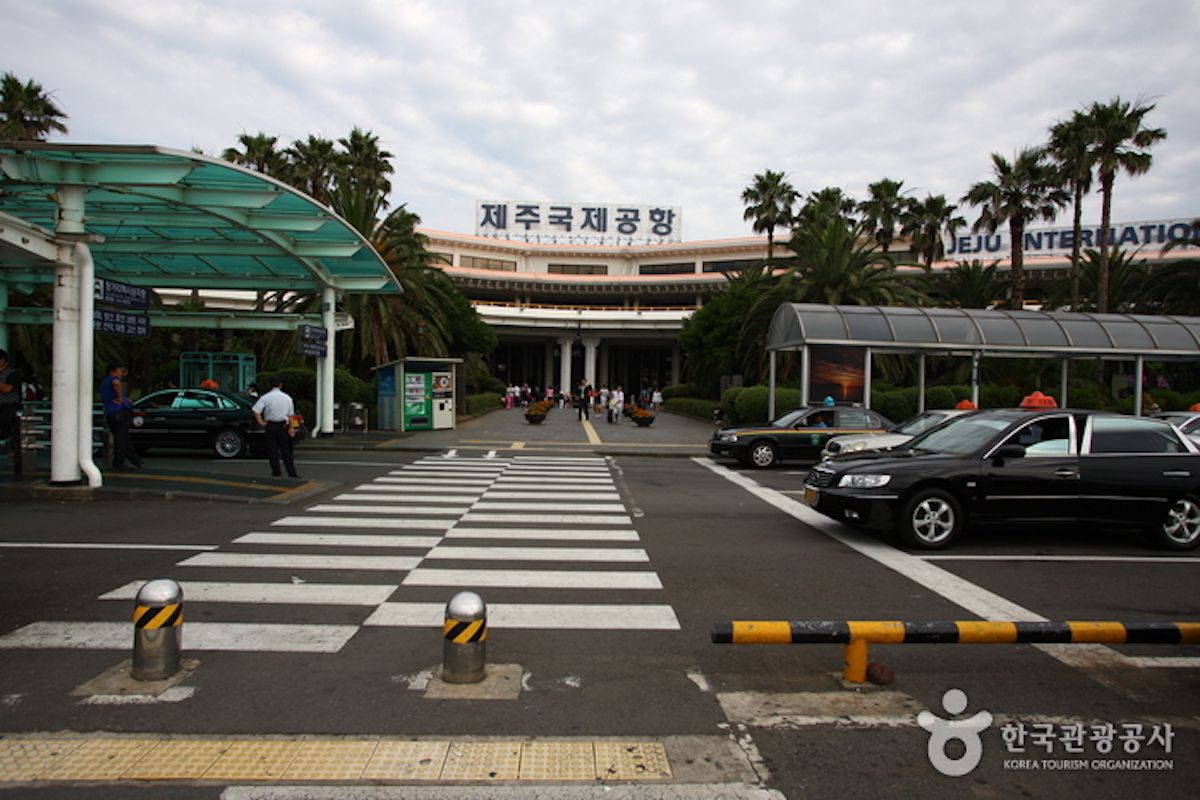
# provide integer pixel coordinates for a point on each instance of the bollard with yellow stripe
(157, 630)
(856, 635)
(464, 639)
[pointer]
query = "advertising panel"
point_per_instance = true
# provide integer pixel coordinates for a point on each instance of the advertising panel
(838, 372)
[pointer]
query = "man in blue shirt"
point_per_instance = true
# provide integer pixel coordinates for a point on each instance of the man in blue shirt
(118, 413)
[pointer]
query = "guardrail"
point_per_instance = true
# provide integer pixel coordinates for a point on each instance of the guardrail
(857, 635)
(35, 434)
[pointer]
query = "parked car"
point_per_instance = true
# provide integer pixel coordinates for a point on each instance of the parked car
(884, 440)
(203, 419)
(1186, 421)
(1017, 466)
(799, 434)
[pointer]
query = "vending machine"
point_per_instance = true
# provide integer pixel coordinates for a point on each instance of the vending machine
(418, 401)
(443, 400)
(417, 394)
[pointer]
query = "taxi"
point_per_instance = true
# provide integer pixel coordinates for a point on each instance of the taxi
(797, 435)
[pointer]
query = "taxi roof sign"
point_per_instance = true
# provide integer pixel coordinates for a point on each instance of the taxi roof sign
(1038, 400)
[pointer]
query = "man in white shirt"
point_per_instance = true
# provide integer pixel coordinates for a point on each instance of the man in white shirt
(273, 411)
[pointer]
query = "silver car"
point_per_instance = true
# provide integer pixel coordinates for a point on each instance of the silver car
(885, 440)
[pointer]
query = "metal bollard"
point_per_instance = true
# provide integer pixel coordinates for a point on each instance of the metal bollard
(157, 630)
(464, 643)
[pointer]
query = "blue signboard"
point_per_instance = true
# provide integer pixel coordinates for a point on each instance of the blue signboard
(122, 323)
(125, 295)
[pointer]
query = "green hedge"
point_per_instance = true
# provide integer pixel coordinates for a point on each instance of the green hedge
(688, 390)
(750, 405)
(482, 403)
(692, 407)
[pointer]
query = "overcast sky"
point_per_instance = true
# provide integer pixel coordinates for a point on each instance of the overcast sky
(645, 103)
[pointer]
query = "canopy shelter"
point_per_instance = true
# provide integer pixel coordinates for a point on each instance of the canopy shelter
(976, 333)
(155, 217)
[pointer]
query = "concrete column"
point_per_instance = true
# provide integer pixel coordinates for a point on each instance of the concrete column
(975, 357)
(867, 380)
(590, 343)
(548, 368)
(921, 383)
(564, 364)
(65, 399)
(603, 378)
(1137, 386)
(675, 366)
(804, 375)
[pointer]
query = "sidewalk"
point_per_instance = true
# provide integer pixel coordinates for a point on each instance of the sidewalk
(503, 432)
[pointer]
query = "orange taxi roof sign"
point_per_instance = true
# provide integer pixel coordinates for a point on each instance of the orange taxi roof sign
(965, 405)
(1038, 400)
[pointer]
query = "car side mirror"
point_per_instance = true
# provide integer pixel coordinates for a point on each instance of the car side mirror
(1008, 452)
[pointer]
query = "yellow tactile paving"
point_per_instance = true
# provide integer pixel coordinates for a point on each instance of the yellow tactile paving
(632, 761)
(258, 760)
(99, 760)
(406, 761)
(31, 758)
(482, 761)
(26, 759)
(327, 760)
(558, 761)
(177, 760)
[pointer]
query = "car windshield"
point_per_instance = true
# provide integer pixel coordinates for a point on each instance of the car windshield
(965, 436)
(920, 423)
(791, 418)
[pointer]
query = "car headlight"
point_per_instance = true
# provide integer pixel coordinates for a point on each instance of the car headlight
(729, 437)
(856, 446)
(863, 481)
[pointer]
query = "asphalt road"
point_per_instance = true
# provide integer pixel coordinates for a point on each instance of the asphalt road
(695, 543)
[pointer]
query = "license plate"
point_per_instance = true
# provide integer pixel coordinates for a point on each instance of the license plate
(810, 496)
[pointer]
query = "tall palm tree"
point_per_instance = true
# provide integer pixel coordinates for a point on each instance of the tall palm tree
(1070, 149)
(1024, 190)
(827, 204)
(836, 263)
(366, 164)
(312, 166)
(770, 203)
(1131, 287)
(883, 209)
(925, 222)
(969, 284)
(1118, 142)
(26, 112)
(258, 153)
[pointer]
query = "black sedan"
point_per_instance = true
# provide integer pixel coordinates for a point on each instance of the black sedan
(1019, 466)
(196, 418)
(799, 434)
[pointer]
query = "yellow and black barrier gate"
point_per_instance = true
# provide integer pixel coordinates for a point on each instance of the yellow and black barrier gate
(857, 635)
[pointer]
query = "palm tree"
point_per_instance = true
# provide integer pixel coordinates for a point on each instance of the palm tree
(1131, 287)
(258, 153)
(830, 203)
(1024, 190)
(1118, 142)
(925, 222)
(1069, 148)
(836, 263)
(770, 203)
(969, 284)
(366, 164)
(26, 112)
(312, 166)
(883, 210)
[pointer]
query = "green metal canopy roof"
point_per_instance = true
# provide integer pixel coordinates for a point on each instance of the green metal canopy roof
(170, 218)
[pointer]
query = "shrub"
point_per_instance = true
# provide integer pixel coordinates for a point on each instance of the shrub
(692, 407)
(751, 404)
(897, 405)
(729, 405)
(1086, 395)
(1003, 396)
(939, 397)
(482, 403)
(1168, 399)
(681, 390)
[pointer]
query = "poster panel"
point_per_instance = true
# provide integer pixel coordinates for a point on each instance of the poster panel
(837, 371)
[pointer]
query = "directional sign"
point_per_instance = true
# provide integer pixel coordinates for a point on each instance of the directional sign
(121, 323)
(121, 294)
(316, 349)
(313, 333)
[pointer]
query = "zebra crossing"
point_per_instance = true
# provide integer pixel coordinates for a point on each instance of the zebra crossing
(501, 526)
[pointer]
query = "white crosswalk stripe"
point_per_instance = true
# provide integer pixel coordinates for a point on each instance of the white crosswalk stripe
(506, 514)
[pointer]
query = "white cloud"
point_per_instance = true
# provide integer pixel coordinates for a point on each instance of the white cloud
(674, 103)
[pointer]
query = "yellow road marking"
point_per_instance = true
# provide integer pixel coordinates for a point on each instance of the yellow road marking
(593, 437)
(517, 446)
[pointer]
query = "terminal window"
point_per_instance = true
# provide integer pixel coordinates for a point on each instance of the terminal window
(475, 262)
(578, 269)
(685, 268)
(736, 265)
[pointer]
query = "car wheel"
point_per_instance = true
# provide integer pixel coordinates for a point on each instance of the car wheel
(229, 443)
(763, 455)
(1181, 529)
(932, 519)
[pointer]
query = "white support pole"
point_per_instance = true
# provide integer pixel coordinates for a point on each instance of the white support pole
(590, 343)
(867, 380)
(325, 398)
(771, 387)
(85, 272)
(804, 376)
(564, 364)
(1137, 386)
(1063, 385)
(975, 378)
(921, 383)
(64, 401)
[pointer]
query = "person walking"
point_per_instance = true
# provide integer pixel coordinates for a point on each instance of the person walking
(583, 398)
(10, 402)
(273, 411)
(617, 403)
(118, 414)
